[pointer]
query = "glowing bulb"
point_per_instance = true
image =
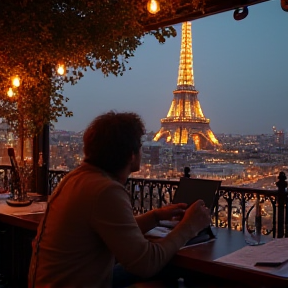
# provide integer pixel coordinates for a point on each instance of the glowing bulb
(10, 92)
(153, 6)
(16, 81)
(60, 69)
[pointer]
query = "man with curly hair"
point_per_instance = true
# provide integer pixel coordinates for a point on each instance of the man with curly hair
(89, 220)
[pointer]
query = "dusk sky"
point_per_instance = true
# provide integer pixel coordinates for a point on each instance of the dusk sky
(240, 71)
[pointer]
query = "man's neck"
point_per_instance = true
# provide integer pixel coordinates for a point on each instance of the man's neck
(122, 175)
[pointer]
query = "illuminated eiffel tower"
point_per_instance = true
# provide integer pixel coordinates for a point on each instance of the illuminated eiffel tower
(185, 121)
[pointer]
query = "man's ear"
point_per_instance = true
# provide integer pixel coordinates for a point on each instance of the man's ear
(132, 157)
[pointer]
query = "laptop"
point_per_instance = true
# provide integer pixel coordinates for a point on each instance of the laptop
(192, 189)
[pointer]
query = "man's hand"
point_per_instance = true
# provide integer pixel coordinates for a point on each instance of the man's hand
(169, 212)
(198, 216)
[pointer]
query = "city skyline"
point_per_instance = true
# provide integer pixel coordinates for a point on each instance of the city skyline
(239, 70)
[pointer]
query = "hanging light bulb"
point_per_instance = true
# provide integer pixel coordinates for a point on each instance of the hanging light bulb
(61, 69)
(16, 81)
(10, 92)
(153, 6)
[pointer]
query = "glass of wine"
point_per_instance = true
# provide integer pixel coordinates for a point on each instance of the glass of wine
(253, 223)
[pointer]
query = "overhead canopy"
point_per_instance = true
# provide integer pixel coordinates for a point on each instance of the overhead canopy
(188, 11)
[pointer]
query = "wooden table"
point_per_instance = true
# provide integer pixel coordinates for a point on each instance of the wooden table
(16, 235)
(201, 258)
(29, 221)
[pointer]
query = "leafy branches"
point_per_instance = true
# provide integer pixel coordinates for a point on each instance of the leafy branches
(37, 35)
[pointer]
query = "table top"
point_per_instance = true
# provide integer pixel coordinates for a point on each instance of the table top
(23, 217)
(199, 257)
(202, 258)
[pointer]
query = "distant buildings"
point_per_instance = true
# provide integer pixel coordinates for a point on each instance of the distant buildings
(242, 159)
(279, 137)
(66, 149)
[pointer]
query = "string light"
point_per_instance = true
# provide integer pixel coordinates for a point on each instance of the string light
(10, 92)
(153, 6)
(61, 69)
(16, 81)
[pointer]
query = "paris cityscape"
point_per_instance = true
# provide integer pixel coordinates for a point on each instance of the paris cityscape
(243, 160)
(213, 97)
(184, 139)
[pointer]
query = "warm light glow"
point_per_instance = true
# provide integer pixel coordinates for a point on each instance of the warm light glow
(153, 6)
(157, 136)
(61, 69)
(212, 137)
(16, 81)
(10, 92)
(185, 73)
(185, 120)
(196, 140)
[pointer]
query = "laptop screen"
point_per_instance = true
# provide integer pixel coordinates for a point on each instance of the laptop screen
(192, 189)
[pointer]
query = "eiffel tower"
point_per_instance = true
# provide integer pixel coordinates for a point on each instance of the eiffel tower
(185, 121)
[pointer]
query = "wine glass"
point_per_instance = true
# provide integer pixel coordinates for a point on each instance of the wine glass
(253, 223)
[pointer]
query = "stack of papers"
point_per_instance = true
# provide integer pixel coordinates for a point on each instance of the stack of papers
(168, 223)
(158, 232)
(269, 257)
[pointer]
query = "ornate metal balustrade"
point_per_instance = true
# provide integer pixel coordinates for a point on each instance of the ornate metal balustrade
(5, 172)
(54, 177)
(233, 206)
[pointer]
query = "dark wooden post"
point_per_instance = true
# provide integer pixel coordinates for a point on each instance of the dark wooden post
(281, 184)
(41, 141)
(41, 161)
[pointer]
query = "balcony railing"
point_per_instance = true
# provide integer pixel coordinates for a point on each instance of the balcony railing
(233, 205)
(5, 172)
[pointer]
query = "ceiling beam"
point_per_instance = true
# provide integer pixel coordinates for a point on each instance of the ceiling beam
(212, 7)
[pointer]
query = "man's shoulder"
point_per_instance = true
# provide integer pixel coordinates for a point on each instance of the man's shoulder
(94, 176)
(87, 170)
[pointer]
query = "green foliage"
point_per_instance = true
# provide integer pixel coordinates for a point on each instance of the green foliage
(36, 35)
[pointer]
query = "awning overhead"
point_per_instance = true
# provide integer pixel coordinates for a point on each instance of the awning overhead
(185, 11)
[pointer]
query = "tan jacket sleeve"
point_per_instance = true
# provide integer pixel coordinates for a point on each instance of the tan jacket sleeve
(113, 220)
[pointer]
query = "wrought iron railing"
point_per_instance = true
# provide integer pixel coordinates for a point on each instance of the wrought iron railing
(5, 172)
(233, 205)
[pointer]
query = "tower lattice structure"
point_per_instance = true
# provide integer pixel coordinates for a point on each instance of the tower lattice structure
(185, 121)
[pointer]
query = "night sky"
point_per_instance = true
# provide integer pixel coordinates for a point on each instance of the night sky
(240, 71)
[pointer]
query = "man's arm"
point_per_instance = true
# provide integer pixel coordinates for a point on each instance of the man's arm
(147, 221)
(113, 220)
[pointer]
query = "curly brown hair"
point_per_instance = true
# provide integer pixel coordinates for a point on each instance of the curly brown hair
(111, 139)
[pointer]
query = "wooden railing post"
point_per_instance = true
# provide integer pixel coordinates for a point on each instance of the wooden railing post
(281, 184)
(41, 166)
